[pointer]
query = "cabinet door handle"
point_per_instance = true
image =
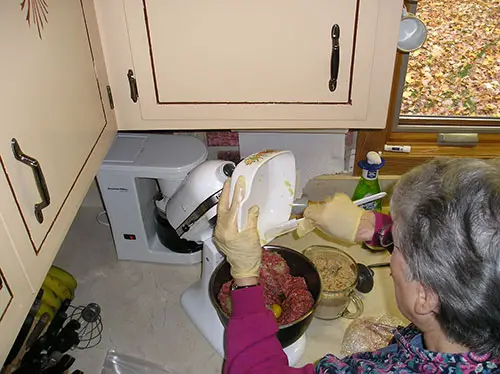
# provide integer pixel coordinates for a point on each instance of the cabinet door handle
(132, 82)
(39, 178)
(335, 60)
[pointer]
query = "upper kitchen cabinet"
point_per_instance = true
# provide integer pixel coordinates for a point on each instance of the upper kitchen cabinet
(56, 121)
(280, 64)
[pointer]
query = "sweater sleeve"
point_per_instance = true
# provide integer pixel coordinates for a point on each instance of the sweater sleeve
(381, 220)
(251, 342)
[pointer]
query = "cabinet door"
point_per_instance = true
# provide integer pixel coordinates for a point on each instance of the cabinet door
(201, 63)
(244, 51)
(51, 104)
(16, 295)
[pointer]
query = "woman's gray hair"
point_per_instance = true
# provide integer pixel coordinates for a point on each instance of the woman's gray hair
(446, 216)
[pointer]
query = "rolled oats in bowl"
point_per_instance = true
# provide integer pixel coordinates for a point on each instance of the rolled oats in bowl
(338, 272)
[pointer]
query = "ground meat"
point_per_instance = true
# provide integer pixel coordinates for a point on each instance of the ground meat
(297, 303)
(291, 293)
(274, 262)
(224, 297)
(294, 283)
(273, 273)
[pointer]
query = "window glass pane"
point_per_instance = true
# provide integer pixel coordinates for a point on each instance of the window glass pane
(457, 71)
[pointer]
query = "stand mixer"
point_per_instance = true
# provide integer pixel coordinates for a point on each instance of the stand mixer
(270, 179)
(161, 197)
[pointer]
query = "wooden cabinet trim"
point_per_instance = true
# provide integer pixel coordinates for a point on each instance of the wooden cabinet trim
(9, 290)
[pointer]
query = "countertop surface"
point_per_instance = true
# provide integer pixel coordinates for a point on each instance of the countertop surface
(140, 305)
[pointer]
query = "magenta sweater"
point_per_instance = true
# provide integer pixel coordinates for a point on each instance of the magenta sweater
(251, 342)
(253, 348)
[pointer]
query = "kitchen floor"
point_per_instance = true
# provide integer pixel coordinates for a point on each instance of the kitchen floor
(141, 313)
(140, 305)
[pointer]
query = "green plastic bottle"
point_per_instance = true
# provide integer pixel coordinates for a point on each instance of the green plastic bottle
(368, 183)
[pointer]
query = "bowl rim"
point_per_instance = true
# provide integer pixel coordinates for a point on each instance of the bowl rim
(271, 248)
(261, 157)
(352, 286)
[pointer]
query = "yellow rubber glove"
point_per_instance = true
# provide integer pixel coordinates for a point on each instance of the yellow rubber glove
(337, 217)
(242, 249)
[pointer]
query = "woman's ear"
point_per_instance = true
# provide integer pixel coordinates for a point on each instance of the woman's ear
(427, 301)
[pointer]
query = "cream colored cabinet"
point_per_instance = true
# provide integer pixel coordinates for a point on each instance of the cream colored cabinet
(16, 294)
(250, 65)
(56, 126)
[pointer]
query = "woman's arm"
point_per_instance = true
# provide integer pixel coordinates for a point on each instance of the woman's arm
(366, 227)
(251, 342)
(371, 226)
(340, 218)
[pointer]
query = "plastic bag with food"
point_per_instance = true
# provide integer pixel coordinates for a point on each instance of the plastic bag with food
(369, 334)
(117, 363)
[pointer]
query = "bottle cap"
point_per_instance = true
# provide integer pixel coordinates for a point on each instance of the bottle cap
(373, 162)
(373, 157)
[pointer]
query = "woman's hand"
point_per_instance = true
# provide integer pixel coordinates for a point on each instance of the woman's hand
(242, 249)
(338, 217)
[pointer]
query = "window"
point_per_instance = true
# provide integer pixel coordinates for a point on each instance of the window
(455, 77)
(450, 85)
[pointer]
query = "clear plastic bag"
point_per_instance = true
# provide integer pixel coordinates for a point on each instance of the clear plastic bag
(369, 334)
(116, 363)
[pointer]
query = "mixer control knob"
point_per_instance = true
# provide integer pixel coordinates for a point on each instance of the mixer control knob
(228, 169)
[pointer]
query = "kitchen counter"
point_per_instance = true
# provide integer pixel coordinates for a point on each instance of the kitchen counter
(140, 305)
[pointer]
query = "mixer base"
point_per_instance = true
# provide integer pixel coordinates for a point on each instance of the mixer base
(198, 307)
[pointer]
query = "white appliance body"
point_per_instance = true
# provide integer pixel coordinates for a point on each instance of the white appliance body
(129, 177)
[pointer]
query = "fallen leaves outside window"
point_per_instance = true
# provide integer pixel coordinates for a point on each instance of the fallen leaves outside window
(457, 71)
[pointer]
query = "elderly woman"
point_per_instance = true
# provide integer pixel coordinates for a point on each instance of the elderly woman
(445, 266)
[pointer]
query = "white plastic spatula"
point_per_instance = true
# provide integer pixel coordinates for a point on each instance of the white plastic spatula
(291, 225)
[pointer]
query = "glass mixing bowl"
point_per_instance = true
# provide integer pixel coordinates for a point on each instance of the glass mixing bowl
(339, 275)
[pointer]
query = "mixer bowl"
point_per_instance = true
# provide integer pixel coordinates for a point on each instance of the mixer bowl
(300, 266)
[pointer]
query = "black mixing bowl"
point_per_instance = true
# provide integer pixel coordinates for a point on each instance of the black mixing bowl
(300, 266)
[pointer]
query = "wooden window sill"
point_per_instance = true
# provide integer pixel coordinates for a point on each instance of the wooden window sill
(399, 163)
(423, 148)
